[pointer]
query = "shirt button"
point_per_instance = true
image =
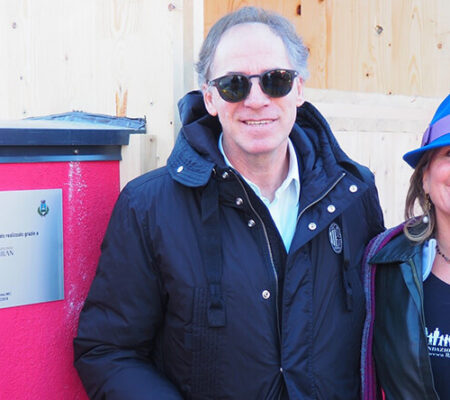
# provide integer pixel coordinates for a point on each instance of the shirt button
(225, 175)
(331, 208)
(353, 188)
(239, 201)
(312, 226)
(251, 223)
(281, 369)
(180, 168)
(265, 294)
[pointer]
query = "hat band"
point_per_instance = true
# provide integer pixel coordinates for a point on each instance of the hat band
(435, 131)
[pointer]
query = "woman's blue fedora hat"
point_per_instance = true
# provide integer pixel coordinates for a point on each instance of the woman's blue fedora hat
(436, 135)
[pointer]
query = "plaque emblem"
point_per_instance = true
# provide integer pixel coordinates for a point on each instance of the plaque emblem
(335, 236)
(43, 209)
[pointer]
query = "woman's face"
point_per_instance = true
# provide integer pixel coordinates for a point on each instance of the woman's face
(436, 183)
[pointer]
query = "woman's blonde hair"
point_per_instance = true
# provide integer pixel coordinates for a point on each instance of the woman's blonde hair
(416, 228)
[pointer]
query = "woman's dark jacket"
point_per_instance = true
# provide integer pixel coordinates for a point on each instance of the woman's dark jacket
(400, 350)
(195, 296)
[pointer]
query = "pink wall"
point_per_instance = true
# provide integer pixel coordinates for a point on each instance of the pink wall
(36, 357)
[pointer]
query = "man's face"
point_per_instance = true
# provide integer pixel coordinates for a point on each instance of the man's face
(258, 125)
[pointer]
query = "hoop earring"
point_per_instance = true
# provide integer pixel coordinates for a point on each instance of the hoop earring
(427, 209)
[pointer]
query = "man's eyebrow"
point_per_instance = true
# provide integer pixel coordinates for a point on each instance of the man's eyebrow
(262, 72)
(234, 73)
(228, 73)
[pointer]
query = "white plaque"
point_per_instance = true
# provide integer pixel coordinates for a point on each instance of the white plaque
(31, 247)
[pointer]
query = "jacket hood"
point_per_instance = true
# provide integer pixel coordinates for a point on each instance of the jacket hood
(196, 146)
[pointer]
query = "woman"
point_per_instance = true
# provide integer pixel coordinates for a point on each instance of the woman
(407, 282)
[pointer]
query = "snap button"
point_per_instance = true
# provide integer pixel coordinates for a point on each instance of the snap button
(239, 201)
(312, 226)
(225, 175)
(265, 294)
(180, 168)
(331, 208)
(353, 188)
(251, 223)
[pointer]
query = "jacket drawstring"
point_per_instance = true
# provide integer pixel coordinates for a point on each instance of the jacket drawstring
(211, 247)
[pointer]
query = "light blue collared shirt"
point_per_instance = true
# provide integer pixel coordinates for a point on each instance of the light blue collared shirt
(284, 207)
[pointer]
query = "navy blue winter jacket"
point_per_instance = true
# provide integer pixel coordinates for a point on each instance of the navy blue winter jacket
(195, 296)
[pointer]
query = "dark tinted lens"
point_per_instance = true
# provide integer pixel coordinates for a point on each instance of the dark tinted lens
(233, 88)
(277, 83)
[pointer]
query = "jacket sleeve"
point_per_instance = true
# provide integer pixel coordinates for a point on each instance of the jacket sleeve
(121, 315)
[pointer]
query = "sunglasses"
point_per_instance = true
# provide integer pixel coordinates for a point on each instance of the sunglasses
(236, 87)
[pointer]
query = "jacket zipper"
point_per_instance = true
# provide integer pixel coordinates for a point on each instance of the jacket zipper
(321, 197)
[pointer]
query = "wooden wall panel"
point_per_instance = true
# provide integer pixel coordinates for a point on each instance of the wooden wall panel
(376, 130)
(382, 46)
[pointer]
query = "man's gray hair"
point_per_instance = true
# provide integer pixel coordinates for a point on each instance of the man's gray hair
(279, 25)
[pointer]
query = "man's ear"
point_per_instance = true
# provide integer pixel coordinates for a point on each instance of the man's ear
(300, 98)
(208, 98)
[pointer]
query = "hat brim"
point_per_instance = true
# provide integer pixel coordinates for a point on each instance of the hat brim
(413, 157)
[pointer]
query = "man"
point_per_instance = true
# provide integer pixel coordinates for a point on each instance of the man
(234, 271)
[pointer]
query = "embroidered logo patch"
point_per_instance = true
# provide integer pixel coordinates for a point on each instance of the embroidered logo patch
(335, 236)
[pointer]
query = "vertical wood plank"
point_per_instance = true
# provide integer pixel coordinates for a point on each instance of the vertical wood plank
(311, 25)
(353, 45)
(416, 52)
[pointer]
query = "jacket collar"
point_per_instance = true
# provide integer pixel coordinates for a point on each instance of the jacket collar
(186, 166)
(399, 249)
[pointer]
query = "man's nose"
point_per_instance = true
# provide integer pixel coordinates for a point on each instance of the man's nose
(256, 98)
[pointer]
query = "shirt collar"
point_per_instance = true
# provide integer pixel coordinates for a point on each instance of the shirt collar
(292, 177)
